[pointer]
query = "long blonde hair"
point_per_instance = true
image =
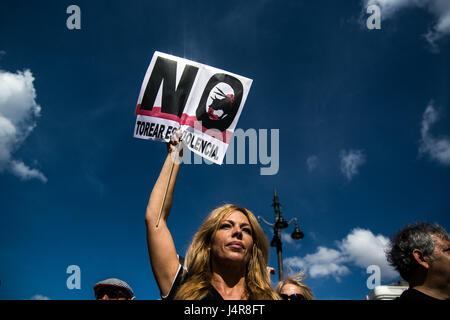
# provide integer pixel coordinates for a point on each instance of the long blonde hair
(198, 264)
(297, 280)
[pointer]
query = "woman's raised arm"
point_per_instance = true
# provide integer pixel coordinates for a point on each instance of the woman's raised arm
(161, 248)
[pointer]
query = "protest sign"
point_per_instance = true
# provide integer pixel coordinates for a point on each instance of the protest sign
(202, 101)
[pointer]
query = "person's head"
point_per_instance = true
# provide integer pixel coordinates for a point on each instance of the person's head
(113, 289)
(294, 289)
(230, 235)
(419, 250)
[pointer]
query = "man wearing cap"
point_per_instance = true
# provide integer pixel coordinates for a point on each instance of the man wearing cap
(113, 289)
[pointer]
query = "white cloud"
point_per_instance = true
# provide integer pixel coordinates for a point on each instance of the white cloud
(360, 248)
(18, 114)
(390, 7)
(350, 162)
(440, 9)
(322, 263)
(438, 149)
(336, 270)
(363, 249)
(39, 297)
(312, 162)
(19, 169)
(286, 238)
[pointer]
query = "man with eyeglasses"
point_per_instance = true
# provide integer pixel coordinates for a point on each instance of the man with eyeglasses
(113, 289)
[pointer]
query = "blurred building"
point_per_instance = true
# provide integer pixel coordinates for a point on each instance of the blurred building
(389, 292)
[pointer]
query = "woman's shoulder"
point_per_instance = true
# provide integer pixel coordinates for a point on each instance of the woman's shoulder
(180, 278)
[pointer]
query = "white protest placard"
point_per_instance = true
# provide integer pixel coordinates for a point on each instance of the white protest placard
(202, 101)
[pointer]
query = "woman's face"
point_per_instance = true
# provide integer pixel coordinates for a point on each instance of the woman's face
(290, 288)
(233, 240)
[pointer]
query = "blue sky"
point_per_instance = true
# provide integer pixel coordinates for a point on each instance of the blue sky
(363, 118)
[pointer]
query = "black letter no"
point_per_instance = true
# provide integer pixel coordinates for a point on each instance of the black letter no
(202, 114)
(173, 100)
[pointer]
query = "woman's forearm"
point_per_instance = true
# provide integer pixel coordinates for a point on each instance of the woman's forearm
(159, 194)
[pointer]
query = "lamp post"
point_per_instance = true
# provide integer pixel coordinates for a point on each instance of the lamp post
(278, 226)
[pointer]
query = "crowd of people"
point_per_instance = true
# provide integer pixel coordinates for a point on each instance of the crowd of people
(228, 256)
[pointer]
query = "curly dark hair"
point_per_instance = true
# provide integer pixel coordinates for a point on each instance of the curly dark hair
(399, 253)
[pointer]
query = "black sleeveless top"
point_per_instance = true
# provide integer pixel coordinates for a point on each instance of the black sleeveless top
(180, 280)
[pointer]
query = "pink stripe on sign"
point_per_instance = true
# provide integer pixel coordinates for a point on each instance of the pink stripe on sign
(156, 112)
(185, 119)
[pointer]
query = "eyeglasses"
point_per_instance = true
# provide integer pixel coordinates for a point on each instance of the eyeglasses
(111, 292)
(292, 297)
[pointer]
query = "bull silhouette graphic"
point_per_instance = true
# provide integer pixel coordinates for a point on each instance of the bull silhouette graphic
(221, 105)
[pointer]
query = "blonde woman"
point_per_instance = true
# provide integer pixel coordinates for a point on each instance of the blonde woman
(227, 258)
(294, 289)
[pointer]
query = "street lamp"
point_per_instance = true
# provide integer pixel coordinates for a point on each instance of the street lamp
(280, 224)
